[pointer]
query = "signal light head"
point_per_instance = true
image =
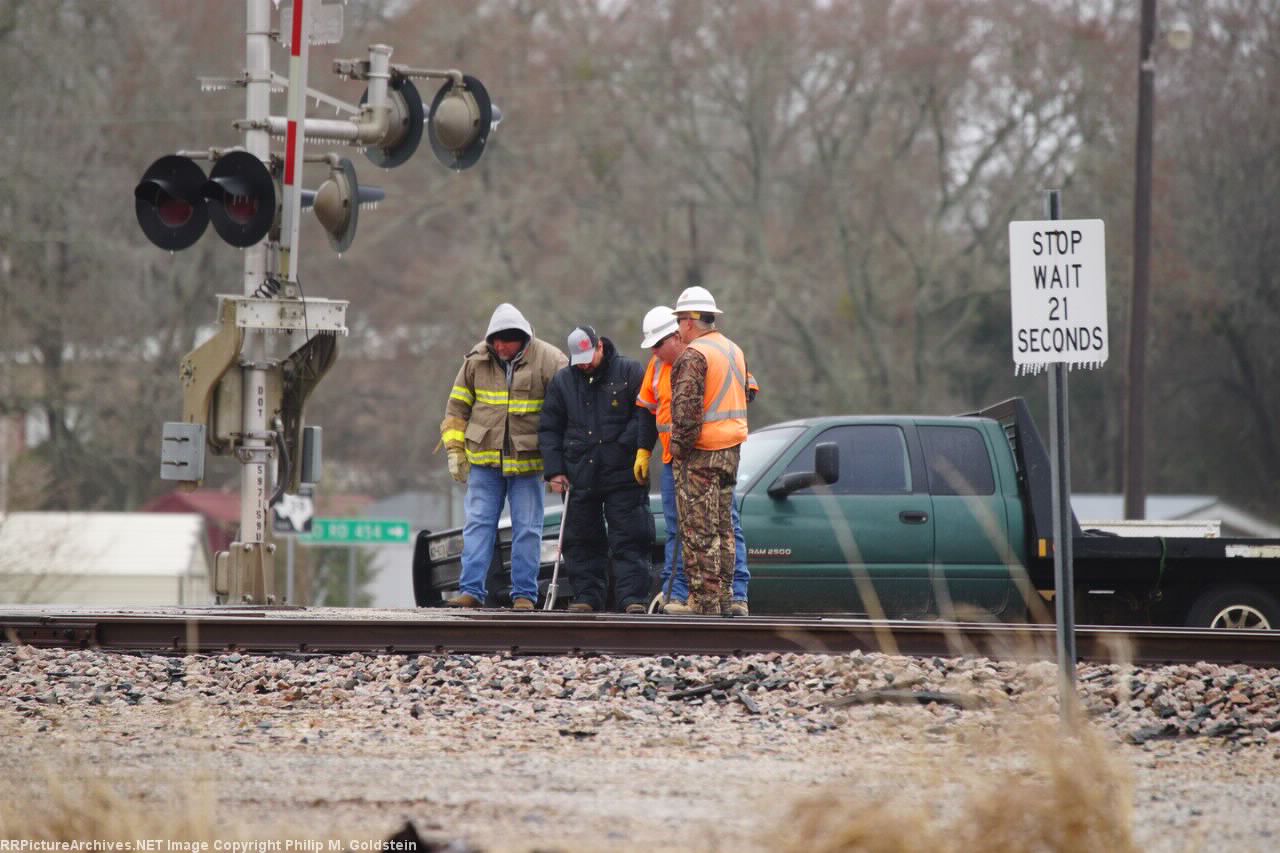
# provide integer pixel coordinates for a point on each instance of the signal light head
(337, 203)
(241, 198)
(407, 116)
(168, 203)
(460, 122)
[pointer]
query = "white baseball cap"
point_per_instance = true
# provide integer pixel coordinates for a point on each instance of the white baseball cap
(582, 345)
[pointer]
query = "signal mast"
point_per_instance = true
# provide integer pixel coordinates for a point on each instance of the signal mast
(244, 390)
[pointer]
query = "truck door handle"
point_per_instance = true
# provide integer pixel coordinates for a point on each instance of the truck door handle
(913, 516)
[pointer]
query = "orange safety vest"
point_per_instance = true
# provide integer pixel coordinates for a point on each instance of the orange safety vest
(655, 395)
(724, 399)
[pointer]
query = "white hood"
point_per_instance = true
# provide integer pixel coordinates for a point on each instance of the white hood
(508, 316)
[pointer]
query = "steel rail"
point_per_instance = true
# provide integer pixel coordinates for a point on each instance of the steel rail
(295, 631)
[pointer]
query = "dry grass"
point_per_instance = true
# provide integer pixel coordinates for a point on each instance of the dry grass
(1059, 792)
(1053, 791)
(85, 807)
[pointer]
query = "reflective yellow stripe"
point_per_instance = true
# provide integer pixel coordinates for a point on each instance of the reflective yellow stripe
(724, 402)
(501, 399)
(493, 398)
(449, 436)
(461, 393)
(494, 458)
(524, 407)
(729, 351)
(531, 465)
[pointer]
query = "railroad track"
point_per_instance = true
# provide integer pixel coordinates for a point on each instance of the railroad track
(288, 630)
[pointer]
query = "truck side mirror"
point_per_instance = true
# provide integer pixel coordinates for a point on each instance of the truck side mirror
(826, 463)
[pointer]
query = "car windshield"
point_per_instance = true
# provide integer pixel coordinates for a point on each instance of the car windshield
(759, 450)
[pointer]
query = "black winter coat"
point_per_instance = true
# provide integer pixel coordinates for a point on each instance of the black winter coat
(591, 426)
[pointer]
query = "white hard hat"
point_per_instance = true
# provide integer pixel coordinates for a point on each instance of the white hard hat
(658, 323)
(697, 299)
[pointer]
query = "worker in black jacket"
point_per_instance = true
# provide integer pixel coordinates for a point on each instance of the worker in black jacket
(588, 435)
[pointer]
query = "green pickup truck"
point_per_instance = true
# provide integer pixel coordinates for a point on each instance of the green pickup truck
(913, 517)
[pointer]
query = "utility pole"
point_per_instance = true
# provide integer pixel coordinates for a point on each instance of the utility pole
(1135, 490)
(1179, 36)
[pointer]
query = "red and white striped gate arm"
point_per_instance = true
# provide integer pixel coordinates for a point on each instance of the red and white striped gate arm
(299, 48)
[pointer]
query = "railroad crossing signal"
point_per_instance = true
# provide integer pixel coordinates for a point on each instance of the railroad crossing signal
(407, 119)
(461, 117)
(245, 388)
(169, 202)
(242, 196)
(174, 201)
(337, 202)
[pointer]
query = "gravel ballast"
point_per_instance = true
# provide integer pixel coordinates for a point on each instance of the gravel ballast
(594, 753)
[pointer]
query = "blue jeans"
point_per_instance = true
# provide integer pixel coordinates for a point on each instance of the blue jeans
(487, 491)
(680, 586)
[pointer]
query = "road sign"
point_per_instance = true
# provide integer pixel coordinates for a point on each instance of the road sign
(1058, 287)
(357, 531)
(293, 514)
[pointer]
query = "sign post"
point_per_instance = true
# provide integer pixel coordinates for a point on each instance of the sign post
(291, 516)
(1058, 290)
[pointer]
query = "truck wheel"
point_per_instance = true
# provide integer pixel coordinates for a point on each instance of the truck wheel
(1235, 606)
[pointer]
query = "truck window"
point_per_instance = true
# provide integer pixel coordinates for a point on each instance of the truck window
(760, 450)
(957, 461)
(873, 460)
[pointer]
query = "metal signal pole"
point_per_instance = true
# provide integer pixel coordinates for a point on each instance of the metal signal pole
(251, 570)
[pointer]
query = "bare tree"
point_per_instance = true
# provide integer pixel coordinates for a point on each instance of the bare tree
(839, 172)
(90, 324)
(1216, 246)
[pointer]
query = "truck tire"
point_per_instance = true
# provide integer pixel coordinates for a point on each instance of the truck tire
(1235, 606)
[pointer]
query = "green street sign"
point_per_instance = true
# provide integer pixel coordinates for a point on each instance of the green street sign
(357, 531)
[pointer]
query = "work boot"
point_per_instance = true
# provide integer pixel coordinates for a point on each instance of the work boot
(466, 599)
(634, 607)
(522, 604)
(677, 608)
(738, 607)
(580, 607)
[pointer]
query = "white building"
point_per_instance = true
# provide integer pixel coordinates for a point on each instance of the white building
(114, 559)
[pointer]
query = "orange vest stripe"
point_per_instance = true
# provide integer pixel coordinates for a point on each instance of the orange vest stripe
(724, 401)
